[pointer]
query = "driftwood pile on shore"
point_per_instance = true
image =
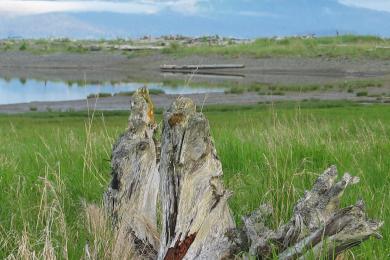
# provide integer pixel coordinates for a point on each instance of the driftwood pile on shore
(167, 200)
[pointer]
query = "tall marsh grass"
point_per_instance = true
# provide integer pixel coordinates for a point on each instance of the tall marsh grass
(350, 46)
(54, 170)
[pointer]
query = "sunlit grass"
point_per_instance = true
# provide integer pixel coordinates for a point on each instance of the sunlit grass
(51, 166)
(347, 46)
(344, 46)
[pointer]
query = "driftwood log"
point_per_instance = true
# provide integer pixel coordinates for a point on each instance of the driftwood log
(166, 67)
(173, 205)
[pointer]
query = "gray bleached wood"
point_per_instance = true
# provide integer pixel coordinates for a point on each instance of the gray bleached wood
(194, 202)
(132, 195)
(316, 219)
(196, 220)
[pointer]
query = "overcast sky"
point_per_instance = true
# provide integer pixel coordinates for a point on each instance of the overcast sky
(239, 18)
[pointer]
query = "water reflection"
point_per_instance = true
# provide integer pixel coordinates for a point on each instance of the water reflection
(27, 90)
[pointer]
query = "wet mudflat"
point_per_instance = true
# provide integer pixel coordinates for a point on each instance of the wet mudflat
(64, 81)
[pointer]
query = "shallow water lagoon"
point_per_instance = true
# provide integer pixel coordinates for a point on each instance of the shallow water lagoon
(15, 91)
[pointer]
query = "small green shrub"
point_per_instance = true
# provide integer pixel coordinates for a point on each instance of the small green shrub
(257, 87)
(23, 46)
(235, 90)
(173, 47)
(272, 93)
(7, 47)
(361, 84)
(375, 95)
(285, 41)
(99, 95)
(124, 94)
(156, 91)
(76, 48)
(172, 83)
(362, 94)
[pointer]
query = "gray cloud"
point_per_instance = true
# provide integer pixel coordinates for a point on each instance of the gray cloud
(377, 5)
(33, 7)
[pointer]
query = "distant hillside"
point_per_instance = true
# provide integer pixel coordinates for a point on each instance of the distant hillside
(228, 18)
(49, 25)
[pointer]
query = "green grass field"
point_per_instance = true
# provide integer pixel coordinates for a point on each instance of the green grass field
(51, 164)
(344, 46)
(347, 46)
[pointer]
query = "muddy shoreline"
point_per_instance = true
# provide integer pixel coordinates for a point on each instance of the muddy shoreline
(114, 67)
(162, 101)
(102, 66)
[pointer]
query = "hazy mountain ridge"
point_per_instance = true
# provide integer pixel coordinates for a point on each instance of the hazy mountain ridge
(49, 25)
(266, 18)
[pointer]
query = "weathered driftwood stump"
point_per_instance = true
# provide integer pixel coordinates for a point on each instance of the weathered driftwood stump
(182, 188)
